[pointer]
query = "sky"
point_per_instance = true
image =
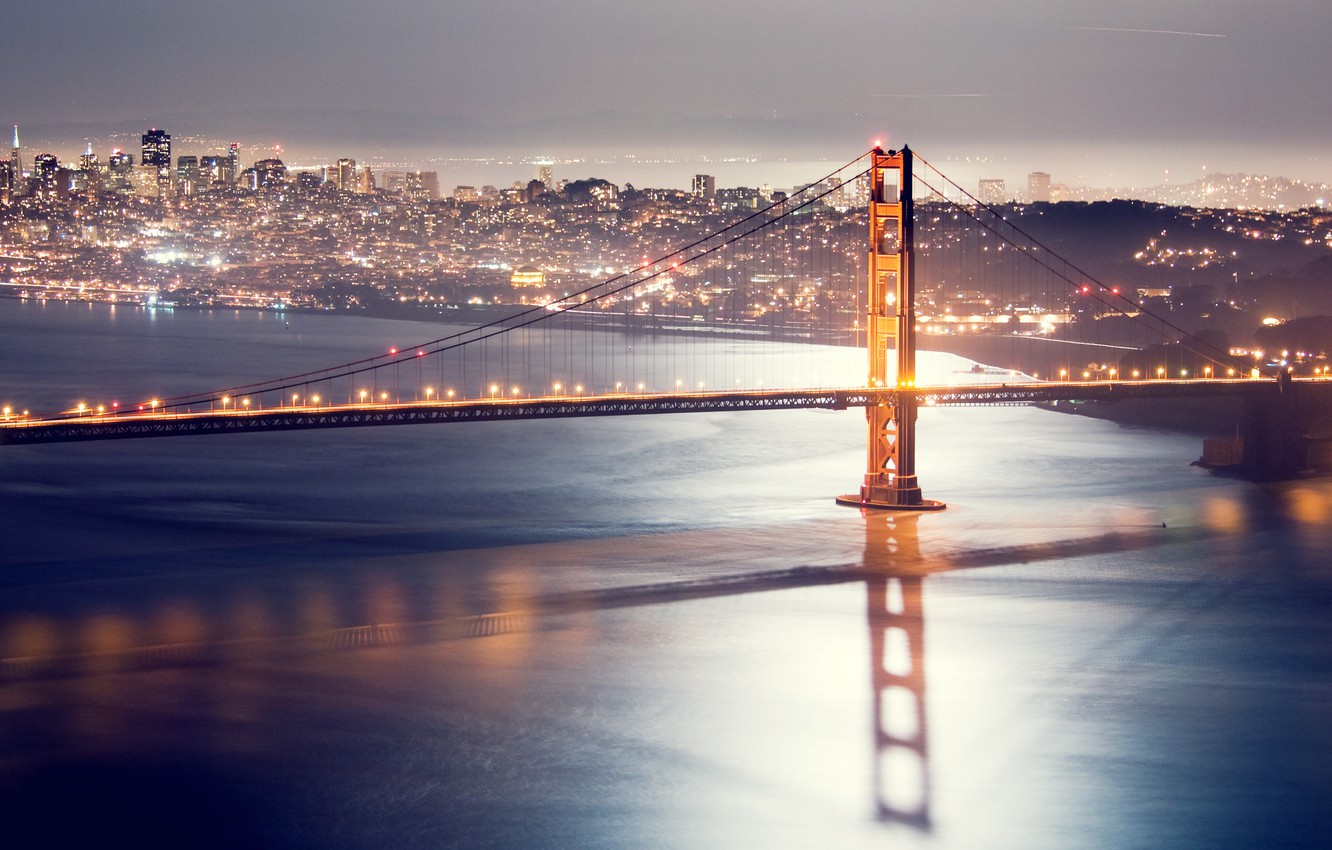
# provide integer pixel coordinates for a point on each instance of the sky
(1090, 91)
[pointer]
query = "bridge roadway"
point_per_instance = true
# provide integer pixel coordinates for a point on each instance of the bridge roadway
(119, 426)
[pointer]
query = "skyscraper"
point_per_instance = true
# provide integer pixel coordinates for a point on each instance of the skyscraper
(88, 161)
(15, 168)
(187, 175)
(546, 174)
(156, 148)
(45, 173)
(156, 151)
(233, 170)
(345, 179)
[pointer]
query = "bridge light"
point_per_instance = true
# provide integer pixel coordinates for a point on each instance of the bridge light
(393, 351)
(420, 353)
(1183, 373)
(515, 391)
(1086, 375)
(1160, 371)
(578, 389)
(383, 396)
(364, 393)
(1136, 373)
(1230, 373)
(557, 386)
(245, 402)
(314, 400)
(429, 392)
(1063, 374)
(642, 387)
(450, 393)
(101, 408)
(294, 398)
(225, 399)
(1113, 373)
(1207, 372)
(82, 407)
(8, 410)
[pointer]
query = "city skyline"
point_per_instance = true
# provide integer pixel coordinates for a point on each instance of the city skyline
(1144, 93)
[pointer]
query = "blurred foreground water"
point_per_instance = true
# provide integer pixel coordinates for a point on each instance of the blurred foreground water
(651, 632)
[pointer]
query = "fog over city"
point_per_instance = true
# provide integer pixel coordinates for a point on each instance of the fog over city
(1134, 94)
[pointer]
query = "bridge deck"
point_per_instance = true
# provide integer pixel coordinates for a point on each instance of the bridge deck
(119, 426)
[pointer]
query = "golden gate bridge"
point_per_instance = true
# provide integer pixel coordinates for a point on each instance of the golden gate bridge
(609, 349)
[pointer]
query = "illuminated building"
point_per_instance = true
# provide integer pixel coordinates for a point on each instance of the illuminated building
(345, 177)
(233, 164)
(365, 182)
(993, 191)
(269, 173)
(423, 185)
(527, 276)
(120, 172)
(6, 181)
(705, 187)
(156, 149)
(156, 153)
(187, 175)
(546, 174)
(1038, 187)
(45, 168)
(211, 169)
(88, 161)
(16, 185)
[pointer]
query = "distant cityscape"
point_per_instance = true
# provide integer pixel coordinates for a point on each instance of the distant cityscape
(155, 226)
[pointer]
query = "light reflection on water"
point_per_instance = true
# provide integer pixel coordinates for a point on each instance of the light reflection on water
(451, 637)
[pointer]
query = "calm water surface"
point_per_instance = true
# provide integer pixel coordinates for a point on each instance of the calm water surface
(653, 632)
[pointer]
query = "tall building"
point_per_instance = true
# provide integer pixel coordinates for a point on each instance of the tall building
(344, 179)
(45, 172)
(88, 161)
(424, 186)
(233, 164)
(156, 154)
(705, 187)
(6, 181)
(269, 173)
(1038, 187)
(993, 191)
(545, 172)
(187, 175)
(211, 169)
(16, 168)
(120, 171)
(156, 148)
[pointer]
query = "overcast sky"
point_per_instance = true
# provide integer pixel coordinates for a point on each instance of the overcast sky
(1238, 83)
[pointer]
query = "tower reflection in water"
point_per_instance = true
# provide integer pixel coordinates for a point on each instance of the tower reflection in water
(896, 620)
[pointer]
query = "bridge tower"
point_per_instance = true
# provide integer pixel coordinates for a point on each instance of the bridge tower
(890, 476)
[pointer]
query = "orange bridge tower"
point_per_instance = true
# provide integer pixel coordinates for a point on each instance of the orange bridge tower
(890, 476)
